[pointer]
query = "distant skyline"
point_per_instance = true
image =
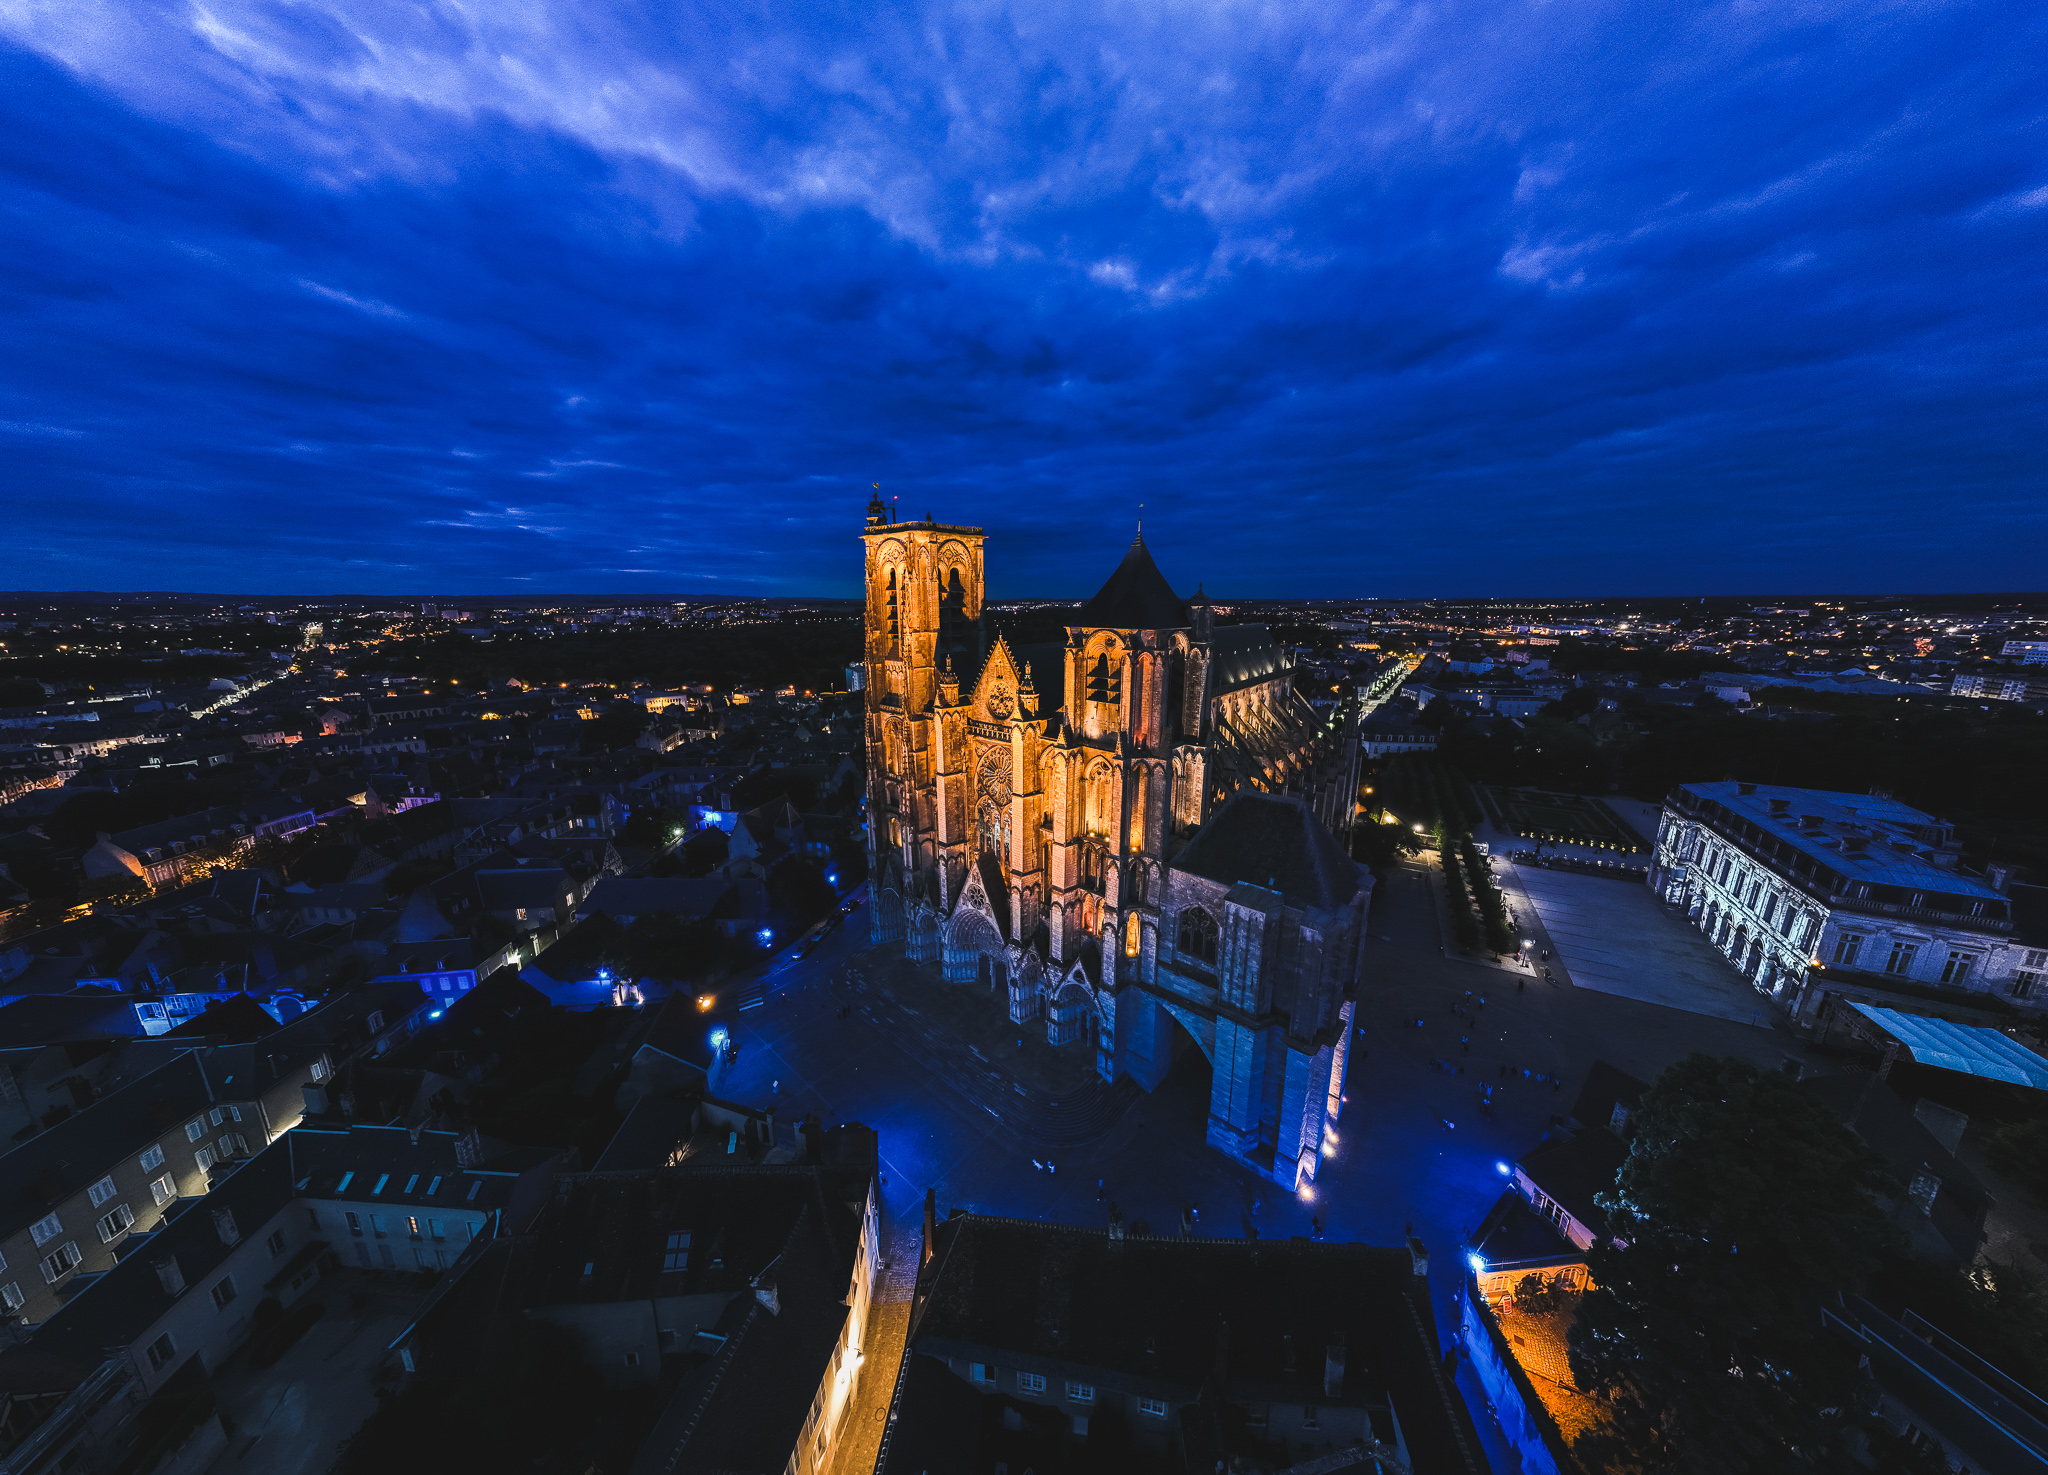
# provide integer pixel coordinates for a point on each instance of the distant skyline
(1621, 299)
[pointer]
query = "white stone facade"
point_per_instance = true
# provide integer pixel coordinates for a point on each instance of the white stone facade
(1811, 893)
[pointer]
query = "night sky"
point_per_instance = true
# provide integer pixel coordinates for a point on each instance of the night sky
(1473, 297)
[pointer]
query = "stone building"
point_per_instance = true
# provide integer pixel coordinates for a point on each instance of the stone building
(1029, 807)
(1819, 897)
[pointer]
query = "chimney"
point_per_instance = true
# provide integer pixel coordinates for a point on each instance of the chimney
(1333, 1368)
(931, 1227)
(1781, 806)
(1418, 1256)
(1745, 788)
(1996, 877)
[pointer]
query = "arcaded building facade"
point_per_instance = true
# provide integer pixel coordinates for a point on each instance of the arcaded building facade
(1029, 809)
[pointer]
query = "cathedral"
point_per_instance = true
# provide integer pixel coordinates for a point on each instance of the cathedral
(1141, 827)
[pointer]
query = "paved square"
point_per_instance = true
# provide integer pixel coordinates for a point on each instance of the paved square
(1614, 938)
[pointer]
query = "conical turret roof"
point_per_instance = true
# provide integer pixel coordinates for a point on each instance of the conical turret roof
(1137, 597)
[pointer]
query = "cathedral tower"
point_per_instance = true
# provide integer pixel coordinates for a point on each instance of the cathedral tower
(923, 638)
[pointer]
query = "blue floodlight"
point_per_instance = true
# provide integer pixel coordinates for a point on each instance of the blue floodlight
(831, 878)
(435, 1015)
(765, 936)
(1478, 1265)
(1502, 1168)
(604, 975)
(718, 1037)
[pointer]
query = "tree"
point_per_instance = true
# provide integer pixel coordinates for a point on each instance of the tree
(1744, 1205)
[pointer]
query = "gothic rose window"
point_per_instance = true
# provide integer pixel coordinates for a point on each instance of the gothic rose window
(1197, 935)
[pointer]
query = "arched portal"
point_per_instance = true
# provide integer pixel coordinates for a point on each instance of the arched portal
(1067, 1016)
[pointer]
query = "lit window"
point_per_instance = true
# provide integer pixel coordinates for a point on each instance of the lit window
(60, 1262)
(204, 1157)
(163, 1189)
(151, 1160)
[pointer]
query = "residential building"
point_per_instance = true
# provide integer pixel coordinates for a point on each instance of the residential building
(1212, 1349)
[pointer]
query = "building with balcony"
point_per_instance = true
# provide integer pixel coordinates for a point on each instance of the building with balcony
(1819, 898)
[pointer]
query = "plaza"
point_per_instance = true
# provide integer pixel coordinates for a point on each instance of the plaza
(1411, 1148)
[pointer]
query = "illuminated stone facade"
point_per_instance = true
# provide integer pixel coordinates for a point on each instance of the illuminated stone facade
(1026, 804)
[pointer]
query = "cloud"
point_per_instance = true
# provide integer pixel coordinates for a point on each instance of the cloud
(1469, 296)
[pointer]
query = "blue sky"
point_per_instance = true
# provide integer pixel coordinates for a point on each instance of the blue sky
(1466, 296)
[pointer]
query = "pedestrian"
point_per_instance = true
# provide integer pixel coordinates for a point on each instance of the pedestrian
(1195, 1212)
(1255, 1205)
(1049, 1167)
(1449, 1125)
(774, 1088)
(1556, 1085)
(1098, 1190)
(1465, 1043)
(1038, 1165)
(1315, 1227)
(1521, 985)
(1503, 1071)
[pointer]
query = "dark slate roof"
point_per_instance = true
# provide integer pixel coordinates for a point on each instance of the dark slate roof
(1157, 1315)
(1243, 655)
(1048, 666)
(1272, 840)
(239, 1018)
(1572, 1169)
(51, 1018)
(1137, 597)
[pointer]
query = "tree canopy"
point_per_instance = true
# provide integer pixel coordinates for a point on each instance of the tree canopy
(1743, 1207)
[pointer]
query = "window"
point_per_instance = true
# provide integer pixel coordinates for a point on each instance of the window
(2023, 984)
(355, 1225)
(194, 1131)
(1081, 1392)
(115, 1223)
(224, 1226)
(2037, 958)
(1901, 960)
(215, 1116)
(346, 1179)
(163, 1189)
(101, 1191)
(1957, 969)
(226, 1145)
(632, 1359)
(382, 1179)
(1152, 1408)
(11, 1296)
(981, 1372)
(376, 1021)
(152, 1160)
(1081, 1425)
(1197, 938)
(234, 1113)
(275, 1244)
(378, 1227)
(204, 1157)
(412, 1226)
(161, 1351)
(435, 1186)
(1846, 948)
(45, 1230)
(321, 1068)
(471, 1195)
(1308, 1417)
(312, 1218)
(223, 1292)
(60, 1262)
(1030, 1383)
(412, 1183)
(677, 1254)
(589, 1268)
(436, 1229)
